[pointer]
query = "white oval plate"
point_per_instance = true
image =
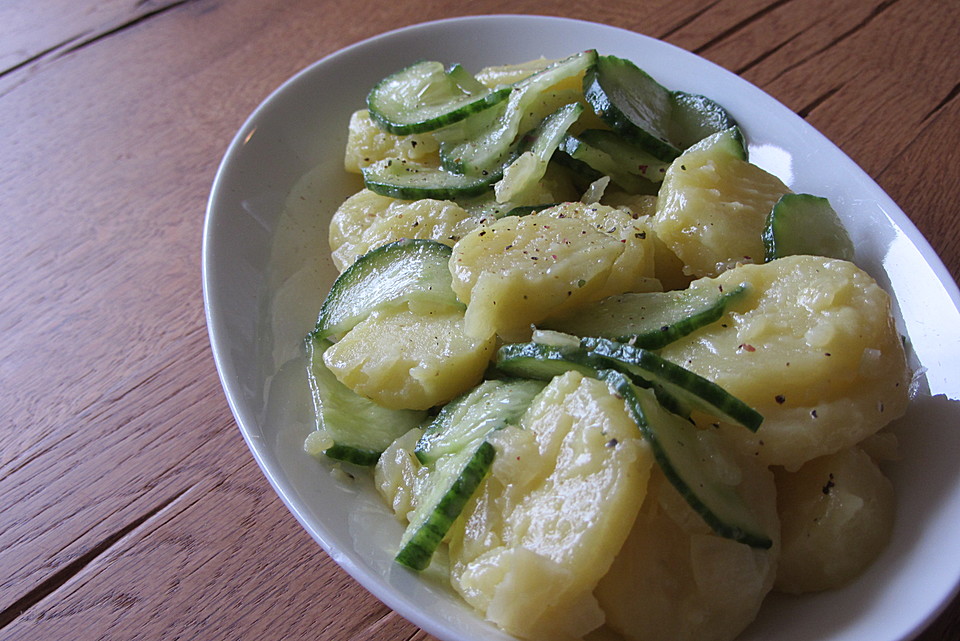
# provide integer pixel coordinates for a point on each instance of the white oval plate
(265, 271)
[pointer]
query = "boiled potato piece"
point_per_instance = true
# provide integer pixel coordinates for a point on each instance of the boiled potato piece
(837, 514)
(546, 524)
(675, 580)
(368, 220)
(812, 347)
(712, 209)
(520, 270)
(367, 143)
(403, 359)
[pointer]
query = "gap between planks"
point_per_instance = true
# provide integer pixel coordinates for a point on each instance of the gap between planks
(72, 569)
(83, 39)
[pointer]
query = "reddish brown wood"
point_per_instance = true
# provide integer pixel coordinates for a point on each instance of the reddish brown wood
(131, 507)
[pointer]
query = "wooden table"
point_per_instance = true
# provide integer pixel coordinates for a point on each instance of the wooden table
(131, 508)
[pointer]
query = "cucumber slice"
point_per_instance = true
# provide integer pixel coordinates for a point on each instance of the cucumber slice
(577, 154)
(350, 427)
(642, 110)
(452, 481)
(650, 320)
(677, 387)
(729, 141)
(405, 180)
(490, 150)
(542, 362)
(410, 270)
(628, 156)
(424, 97)
(682, 457)
(490, 406)
(805, 224)
(538, 147)
(681, 390)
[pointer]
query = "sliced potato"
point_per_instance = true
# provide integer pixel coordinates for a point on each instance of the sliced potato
(561, 498)
(837, 514)
(367, 220)
(367, 143)
(812, 347)
(674, 580)
(403, 359)
(520, 270)
(712, 209)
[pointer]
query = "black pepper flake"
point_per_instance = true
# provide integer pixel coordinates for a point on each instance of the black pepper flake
(612, 442)
(780, 399)
(829, 485)
(813, 413)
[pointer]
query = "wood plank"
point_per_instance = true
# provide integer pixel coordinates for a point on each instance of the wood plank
(31, 31)
(225, 560)
(95, 259)
(928, 190)
(131, 498)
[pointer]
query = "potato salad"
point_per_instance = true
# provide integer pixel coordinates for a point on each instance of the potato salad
(615, 380)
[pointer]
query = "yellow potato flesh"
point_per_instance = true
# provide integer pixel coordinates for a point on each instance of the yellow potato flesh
(367, 220)
(813, 348)
(547, 523)
(712, 209)
(520, 270)
(402, 359)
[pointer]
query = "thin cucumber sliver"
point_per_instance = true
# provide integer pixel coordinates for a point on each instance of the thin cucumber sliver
(406, 180)
(680, 455)
(490, 406)
(489, 149)
(650, 320)
(453, 480)
(683, 390)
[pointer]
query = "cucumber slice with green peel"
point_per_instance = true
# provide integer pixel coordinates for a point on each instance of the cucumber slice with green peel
(350, 428)
(424, 97)
(650, 320)
(410, 270)
(490, 149)
(628, 156)
(682, 390)
(662, 121)
(490, 406)
(803, 224)
(684, 459)
(729, 140)
(452, 481)
(405, 180)
(543, 362)
(599, 163)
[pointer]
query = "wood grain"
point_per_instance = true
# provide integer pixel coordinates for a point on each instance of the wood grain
(131, 508)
